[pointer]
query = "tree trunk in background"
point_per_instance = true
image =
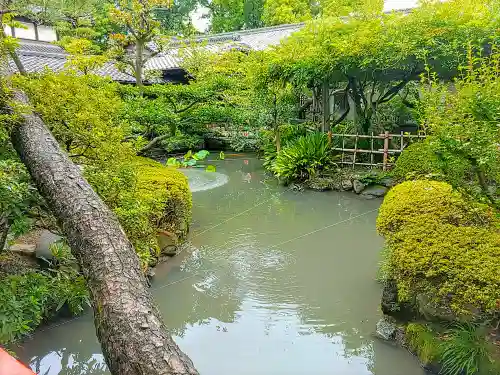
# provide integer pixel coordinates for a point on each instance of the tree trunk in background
(325, 103)
(133, 337)
(4, 231)
(139, 54)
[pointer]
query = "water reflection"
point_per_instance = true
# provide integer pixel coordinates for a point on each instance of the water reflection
(247, 300)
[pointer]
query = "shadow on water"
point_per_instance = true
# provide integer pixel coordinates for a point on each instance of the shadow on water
(244, 299)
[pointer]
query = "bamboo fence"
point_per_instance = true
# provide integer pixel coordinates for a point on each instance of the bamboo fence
(389, 140)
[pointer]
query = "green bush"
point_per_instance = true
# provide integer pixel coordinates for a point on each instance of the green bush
(417, 160)
(457, 266)
(425, 159)
(442, 246)
(421, 201)
(31, 298)
(303, 159)
(147, 197)
(182, 142)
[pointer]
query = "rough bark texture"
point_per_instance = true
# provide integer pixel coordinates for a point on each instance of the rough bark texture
(129, 327)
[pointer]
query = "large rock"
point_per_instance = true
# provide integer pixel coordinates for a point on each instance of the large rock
(358, 186)
(24, 248)
(387, 182)
(386, 329)
(432, 310)
(375, 191)
(346, 185)
(46, 239)
(391, 306)
(167, 242)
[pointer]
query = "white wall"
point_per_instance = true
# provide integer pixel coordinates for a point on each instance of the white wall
(46, 34)
(26, 33)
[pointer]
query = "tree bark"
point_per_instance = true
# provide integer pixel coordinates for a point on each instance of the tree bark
(4, 231)
(152, 143)
(139, 53)
(133, 337)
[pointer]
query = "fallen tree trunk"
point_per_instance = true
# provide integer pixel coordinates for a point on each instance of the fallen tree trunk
(133, 337)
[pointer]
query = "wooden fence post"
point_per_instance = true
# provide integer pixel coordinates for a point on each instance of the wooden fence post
(386, 150)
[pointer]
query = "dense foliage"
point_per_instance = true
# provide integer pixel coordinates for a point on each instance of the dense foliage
(90, 121)
(373, 58)
(303, 159)
(30, 298)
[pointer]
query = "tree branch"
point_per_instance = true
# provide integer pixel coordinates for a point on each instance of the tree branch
(189, 106)
(152, 144)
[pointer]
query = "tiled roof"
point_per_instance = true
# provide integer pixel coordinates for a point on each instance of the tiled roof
(36, 56)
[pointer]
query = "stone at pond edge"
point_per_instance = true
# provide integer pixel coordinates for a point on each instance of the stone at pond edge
(387, 182)
(47, 238)
(375, 191)
(390, 304)
(433, 311)
(28, 249)
(167, 242)
(346, 185)
(150, 273)
(386, 329)
(321, 183)
(358, 186)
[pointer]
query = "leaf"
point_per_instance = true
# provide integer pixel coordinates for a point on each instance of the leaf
(222, 156)
(188, 155)
(172, 162)
(211, 168)
(191, 163)
(201, 155)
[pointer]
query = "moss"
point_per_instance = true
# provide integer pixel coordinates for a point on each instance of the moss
(443, 247)
(422, 200)
(424, 342)
(457, 265)
(417, 160)
(160, 200)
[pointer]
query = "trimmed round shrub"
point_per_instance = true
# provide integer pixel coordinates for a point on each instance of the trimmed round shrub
(425, 160)
(154, 179)
(426, 200)
(456, 265)
(442, 249)
(417, 160)
(147, 197)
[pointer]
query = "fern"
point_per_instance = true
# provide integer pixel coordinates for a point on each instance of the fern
(466, 351)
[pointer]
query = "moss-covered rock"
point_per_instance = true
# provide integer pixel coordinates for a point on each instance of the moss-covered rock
(455, 266)
(443, 248)
(160, 201)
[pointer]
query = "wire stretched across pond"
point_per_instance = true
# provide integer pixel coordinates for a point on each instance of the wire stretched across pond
(275, 245)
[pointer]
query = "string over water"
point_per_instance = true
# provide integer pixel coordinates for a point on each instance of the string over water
(276, 245)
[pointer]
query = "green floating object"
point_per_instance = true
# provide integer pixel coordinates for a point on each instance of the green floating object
(211, 168)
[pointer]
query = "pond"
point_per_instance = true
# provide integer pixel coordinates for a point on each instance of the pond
(273, 281)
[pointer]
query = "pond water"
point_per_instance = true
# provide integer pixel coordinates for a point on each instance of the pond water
(252, 293)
